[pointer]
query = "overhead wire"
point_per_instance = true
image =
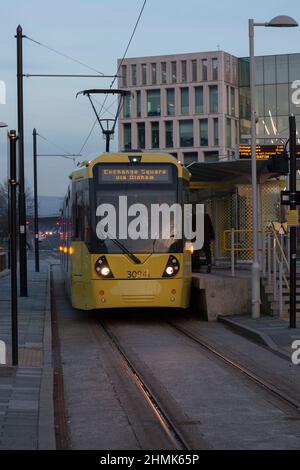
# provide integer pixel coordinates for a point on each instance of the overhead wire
(62, 54)
(116, 76)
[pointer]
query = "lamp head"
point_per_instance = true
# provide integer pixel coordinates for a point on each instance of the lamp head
(282, 21)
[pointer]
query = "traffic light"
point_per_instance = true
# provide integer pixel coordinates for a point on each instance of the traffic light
(278, 164)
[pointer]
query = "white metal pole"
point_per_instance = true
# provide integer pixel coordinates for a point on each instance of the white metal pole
(255, 263)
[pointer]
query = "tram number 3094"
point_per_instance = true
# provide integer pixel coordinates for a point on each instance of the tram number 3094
(138, 274)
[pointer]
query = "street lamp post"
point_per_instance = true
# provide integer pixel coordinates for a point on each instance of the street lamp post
(277, 22)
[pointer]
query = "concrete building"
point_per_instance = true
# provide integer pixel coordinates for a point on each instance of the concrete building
(197, 106)
(186, 104)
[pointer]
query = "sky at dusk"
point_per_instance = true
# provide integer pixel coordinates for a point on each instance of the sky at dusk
(96, 32)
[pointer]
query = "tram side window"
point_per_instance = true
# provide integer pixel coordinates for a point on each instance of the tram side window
(78, 212)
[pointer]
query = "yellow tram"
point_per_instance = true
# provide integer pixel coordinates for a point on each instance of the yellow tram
(121, 271)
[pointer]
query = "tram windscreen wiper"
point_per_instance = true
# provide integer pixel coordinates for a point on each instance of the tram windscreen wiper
(134, 258)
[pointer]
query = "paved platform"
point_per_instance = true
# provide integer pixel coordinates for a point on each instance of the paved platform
(270, 331)
(26, 408)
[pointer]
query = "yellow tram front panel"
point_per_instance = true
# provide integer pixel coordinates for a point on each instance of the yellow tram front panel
(133, 285)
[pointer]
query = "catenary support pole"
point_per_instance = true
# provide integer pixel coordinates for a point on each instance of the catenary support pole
(36, 215)
(13, 245)
(22, 199)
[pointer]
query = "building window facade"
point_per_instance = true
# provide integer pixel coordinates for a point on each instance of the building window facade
(141, 135)
(213, 98)
(153, 102)
(194, 71)
(155, 135)
(204, 69)
(199, 103)
(183, 71)
(186, 133)
(228, 132)
(216, 131)
(127, 106)
(124, 75)
(154, 74)
(170, 102)
(174, 72)
(144, 74)
(184, 97)
(138, 104)
(133, 75)
(127, 136)
(163, 73)
(190, 157)
(169, 134)
(215, 68)
(203, 127)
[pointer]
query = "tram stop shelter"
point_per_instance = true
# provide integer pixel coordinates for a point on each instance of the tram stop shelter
(226, 192)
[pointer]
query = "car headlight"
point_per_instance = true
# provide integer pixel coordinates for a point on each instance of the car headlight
(172, 267)
(102, 268)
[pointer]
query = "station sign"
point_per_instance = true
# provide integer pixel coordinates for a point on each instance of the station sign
(263, 152)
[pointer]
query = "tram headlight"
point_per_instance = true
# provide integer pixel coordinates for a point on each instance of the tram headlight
(172, 267)
(102, 268)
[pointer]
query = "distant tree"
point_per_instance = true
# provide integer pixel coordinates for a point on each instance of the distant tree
(4, 203)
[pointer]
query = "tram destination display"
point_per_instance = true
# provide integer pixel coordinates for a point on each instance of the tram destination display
(141, 173)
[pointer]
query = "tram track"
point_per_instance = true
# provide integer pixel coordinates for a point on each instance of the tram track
(166, 422)
(262, 383)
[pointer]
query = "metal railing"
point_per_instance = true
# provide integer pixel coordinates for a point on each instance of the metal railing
(275, 253)
(233, 242)
(276, 265)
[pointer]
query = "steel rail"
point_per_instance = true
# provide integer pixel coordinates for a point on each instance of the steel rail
(244, 370)
(165, 421)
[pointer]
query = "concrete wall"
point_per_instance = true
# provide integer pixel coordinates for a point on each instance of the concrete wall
(215, 295)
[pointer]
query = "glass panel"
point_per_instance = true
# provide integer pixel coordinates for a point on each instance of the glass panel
(282, 69)
(183, 71)
(194, 71)
(153, 102)
(283, 125)
(204, 69)
(199, 99)
(216, 131)
(174, 72)
(269, 70)
(169, 134)
(170, 102)
(133, 75)
(124, 75)
(203, 132)
(190, 157)
(259, 70)
(141, 135)
(244, 103)
(270, 100)
(138, 104)
(184, 101)
(154, 74)
(163, 72)
(282, 99)
(244, 72)
(155, 135)
(294, 67)
(228, 132)
(144, 74)
(215, 66)
(127, 136)
(186, 134)
(213, 98)
(259, 100)
(127, 106)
